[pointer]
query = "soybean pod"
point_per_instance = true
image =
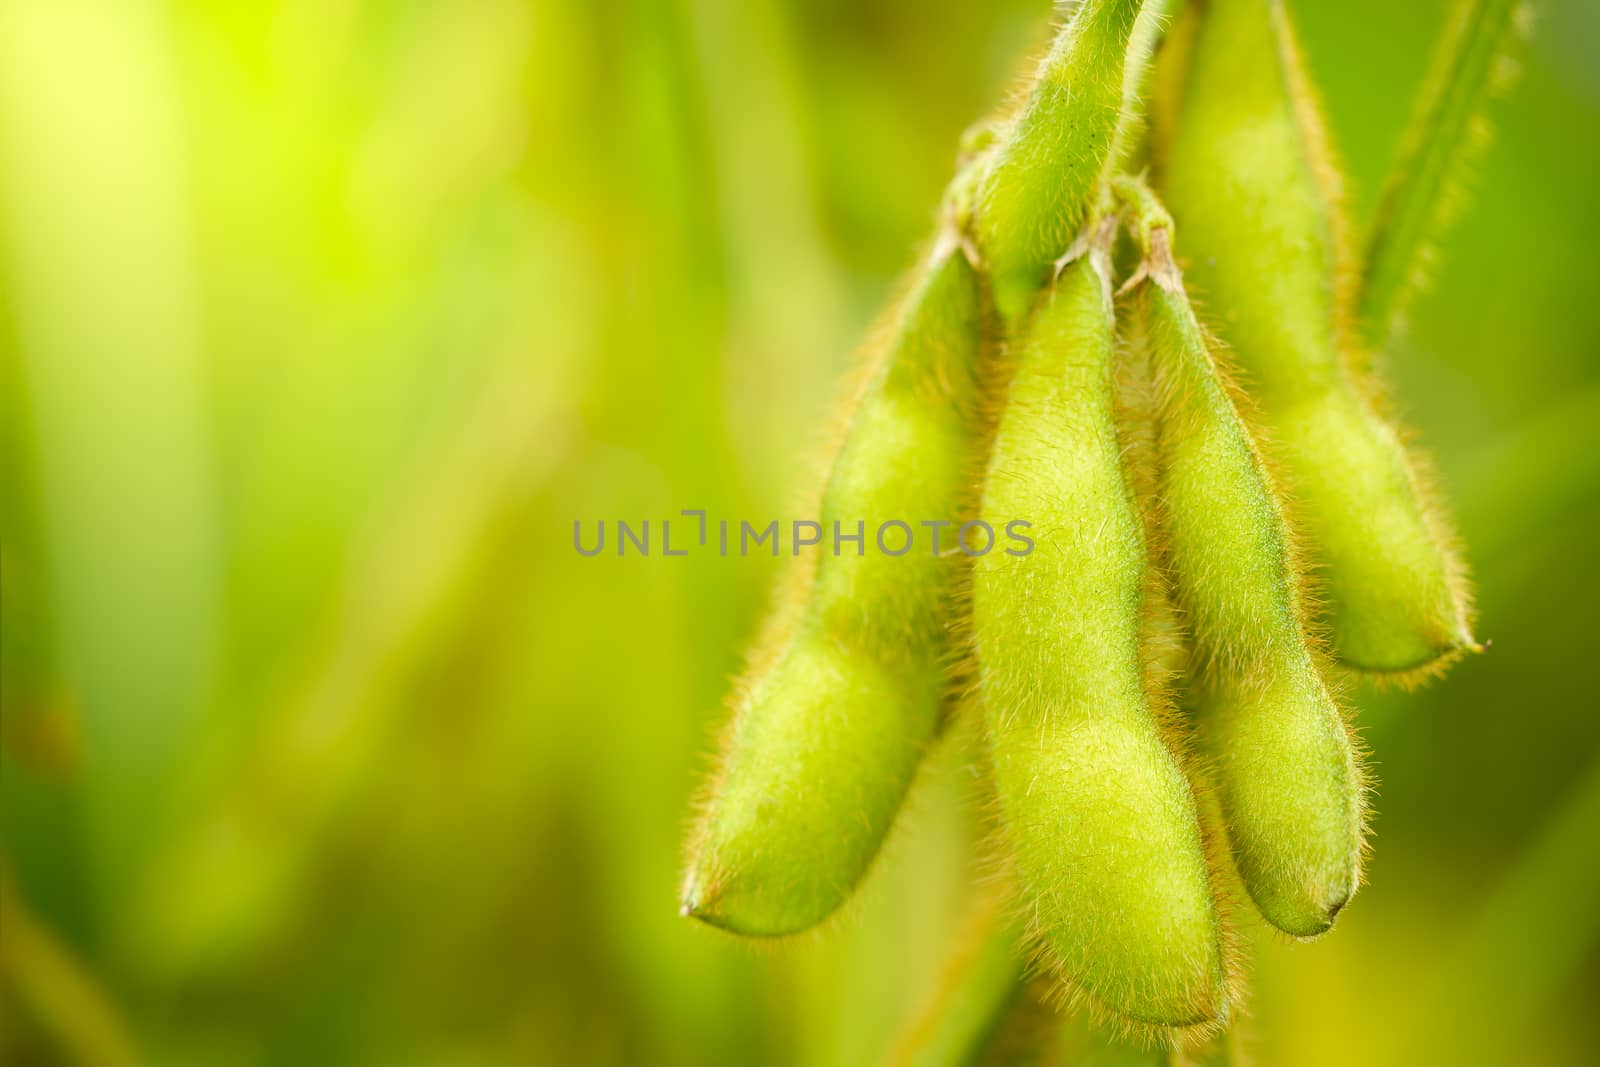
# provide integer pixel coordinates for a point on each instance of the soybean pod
(1252, 187)
(1288, 780)
(1046, 175)
(1095, 807)
(846, 691)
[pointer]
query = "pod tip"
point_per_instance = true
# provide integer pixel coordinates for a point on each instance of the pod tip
(701, 911)
(693, 902)
(705, 903)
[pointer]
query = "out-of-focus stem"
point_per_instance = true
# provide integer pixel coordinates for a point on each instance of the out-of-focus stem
(1448, 128)
(50, 982)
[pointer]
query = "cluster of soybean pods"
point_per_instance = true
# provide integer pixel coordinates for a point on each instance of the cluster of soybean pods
(1229, 525)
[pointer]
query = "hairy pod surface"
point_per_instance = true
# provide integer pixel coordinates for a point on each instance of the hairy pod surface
(834, 716)
(1148, 29)
(1097, 812)
(1044, 178)
(1287, 776)
(1254, 194)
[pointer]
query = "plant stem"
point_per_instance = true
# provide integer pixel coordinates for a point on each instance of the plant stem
(1471, 63)
(63, 996)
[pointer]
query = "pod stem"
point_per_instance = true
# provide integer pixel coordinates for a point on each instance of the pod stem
(1150, 225)
(981, 1000)
(1471, 64)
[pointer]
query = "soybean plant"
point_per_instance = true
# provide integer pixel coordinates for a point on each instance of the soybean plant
(843, 693)
(1227, 528)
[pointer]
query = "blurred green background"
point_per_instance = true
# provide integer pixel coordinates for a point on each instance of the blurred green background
(321, 321)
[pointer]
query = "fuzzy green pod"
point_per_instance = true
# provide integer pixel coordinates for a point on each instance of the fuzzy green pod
(1255, 195)
(1288, 780)
(1129, 140)
(1044, 178)
(1096, 809)
(846, 693)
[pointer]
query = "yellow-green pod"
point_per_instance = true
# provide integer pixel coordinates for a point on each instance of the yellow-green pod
(1043, 180)
(1286, 771)
(843, 698)
(1254, 193)
(1096, 809)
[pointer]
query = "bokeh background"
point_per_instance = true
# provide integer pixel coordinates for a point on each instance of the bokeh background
(321, 321)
